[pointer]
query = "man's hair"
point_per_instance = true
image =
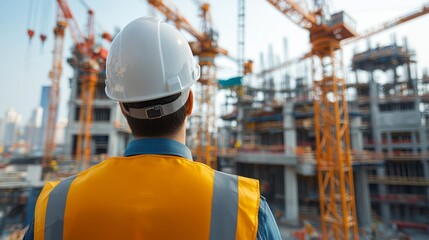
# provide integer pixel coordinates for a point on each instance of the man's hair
(166, 125)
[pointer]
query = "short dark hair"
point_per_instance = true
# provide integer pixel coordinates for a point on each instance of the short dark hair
(166, 125)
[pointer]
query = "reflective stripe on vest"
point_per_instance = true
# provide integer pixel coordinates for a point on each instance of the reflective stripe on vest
(54, 219)
(224, 209)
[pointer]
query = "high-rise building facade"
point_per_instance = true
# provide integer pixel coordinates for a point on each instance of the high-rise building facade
(11, 128)
(2, 123)
(44, 104)
(32, 131)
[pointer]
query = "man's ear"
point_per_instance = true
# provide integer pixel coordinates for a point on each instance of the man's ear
(190, 103)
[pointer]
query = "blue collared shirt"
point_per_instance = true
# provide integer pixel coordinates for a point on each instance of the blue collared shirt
(267, 227)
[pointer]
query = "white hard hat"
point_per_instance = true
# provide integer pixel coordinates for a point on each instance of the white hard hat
(149, 59)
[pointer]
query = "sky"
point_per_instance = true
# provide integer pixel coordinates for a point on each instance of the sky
(24, 66)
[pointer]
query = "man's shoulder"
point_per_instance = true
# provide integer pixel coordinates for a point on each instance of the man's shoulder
(267, 226)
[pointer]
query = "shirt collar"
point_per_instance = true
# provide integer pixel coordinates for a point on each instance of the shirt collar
(162, 146)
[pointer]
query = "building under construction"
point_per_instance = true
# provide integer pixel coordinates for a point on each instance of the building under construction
(109, 132)
(268, 134)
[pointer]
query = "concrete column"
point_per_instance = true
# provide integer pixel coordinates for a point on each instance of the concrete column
(423, 140)
(68, 144)
(120, 143)
(395, 81)
(356, 133)
(290, 176)
(382, 189)
(363, 203)
(113, 144)
(291, 196)
(424, 151)
(425, 164)
(240, 117)
(115, 113)
(389, 143)
(287, 85)
(395, 76)
(373, 93)
(289, 133)
(71, 126)
(414, 142)
(356, 76)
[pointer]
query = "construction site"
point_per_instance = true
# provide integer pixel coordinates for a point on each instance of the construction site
(338, 153)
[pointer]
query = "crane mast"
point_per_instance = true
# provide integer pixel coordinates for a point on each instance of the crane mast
(89, 78)
(241, 24)
(335, 172)
(334, 166)
(206, 90)
(55, 76)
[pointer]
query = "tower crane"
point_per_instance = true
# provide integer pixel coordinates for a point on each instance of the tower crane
(391, 23)
(206, 48)
(335, 175)
(244, 67)
(90, 69)
(55, 76)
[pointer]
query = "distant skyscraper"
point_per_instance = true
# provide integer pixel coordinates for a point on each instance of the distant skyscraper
(32, 133)
(2, 123)
(44, 103)
(60, 132)
(11, 128)
(36, 117)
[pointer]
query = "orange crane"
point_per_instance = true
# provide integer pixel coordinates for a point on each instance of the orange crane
(89, 77)
(334, 166)
(206, 48)
(335, 175)
(421, 11)
(55, 76)
(90, 68)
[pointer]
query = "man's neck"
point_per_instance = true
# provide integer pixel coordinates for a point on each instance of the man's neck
(179, 137)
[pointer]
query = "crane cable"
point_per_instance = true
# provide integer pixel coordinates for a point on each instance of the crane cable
(31, 25)
(32, 18)
(45, 21)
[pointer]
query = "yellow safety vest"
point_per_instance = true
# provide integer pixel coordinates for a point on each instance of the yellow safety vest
(148, 197)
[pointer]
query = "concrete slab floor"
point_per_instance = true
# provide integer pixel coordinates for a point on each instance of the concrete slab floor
(287, 230)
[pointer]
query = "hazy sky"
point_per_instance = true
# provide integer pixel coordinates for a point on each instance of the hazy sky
(24, 68)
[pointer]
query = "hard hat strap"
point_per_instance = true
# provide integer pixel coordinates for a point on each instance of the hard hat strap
(158, 111)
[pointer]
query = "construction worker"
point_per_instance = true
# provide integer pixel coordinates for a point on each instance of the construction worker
(155, 191)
